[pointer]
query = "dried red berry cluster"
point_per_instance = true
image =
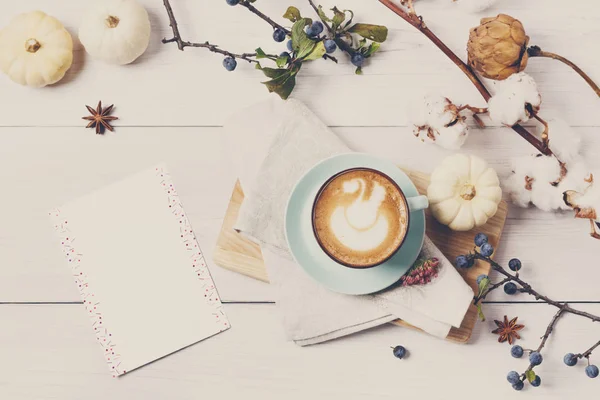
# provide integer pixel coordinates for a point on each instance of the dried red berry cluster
(421, 273)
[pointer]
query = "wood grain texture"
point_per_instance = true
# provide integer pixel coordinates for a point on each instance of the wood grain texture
(49, 352)
(237, 253)
(199, 91)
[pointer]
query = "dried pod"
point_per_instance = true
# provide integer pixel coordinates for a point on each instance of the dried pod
(498, 47)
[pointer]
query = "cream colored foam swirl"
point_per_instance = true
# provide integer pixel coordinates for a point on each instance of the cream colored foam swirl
(360, 226)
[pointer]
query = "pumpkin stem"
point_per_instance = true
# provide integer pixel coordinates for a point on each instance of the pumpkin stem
(112, 22)
(32, 45)
(468, 192)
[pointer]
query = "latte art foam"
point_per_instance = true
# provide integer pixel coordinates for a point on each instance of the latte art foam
(360, 218)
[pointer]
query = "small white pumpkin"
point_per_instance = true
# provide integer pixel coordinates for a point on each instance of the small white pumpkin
(115, 31)
(464, 192)
(35, 49)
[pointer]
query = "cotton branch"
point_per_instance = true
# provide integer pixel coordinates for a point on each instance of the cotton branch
(535, 51)
(417, 22)
(182, 44)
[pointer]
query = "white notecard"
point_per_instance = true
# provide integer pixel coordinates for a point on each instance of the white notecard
(140, 271)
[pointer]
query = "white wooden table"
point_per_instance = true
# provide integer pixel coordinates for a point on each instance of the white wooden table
(172, 105)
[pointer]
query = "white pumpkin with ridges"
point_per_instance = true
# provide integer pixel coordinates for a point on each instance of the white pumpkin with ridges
(464, 192)
(115, 31)
(35, 49)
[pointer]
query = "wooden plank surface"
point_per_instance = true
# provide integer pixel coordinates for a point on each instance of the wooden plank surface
(192, 88)
(49, 352)
(165, 97)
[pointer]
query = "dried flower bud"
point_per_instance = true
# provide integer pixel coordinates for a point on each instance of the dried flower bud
(437, 120)
(498, 47)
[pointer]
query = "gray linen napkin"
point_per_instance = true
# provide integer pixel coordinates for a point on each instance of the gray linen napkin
(273, 144)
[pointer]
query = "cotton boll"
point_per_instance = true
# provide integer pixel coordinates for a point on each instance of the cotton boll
(576, 179)
(564, 141)
(475, 6)
(437, 120)
(516, 184)
(515, 97)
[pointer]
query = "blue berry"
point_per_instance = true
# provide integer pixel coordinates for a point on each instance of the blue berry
(536, 382)
(464, 262)
(315, 29)
(514, 264)
(518, 386)
(290, 45)
(516, 351)
(510, 288)
(480, 239)
(229, 63)
(487, 250)
(279, 35)
(399, 352)
(284, 54)
(570, 359)
(233, 2)
(330, 46)
(535, 358)
(592, 371)
(480, 278)
(513, 377)
(357, 59)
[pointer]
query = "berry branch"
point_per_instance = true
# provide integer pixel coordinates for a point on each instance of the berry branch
(254, 10)
(182, 44)
(513, 284)
(417, 22)
(536, 51)
(304, 43)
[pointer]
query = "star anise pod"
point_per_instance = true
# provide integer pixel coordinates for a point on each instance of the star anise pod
(100, 118)
(508, 330)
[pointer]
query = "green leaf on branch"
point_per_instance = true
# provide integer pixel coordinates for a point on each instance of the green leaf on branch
(483, 285)
(260, 54)
(338, 18)
(284, 80)
(322, 14)
(372, 49)
(293, 14)
(302, 44)
(358, 71)
(282, 61)
(530, 375)
(318, 52)
(480, 312)
(376, 33)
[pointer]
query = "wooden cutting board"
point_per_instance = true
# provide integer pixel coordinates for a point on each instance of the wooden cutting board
(236, 253)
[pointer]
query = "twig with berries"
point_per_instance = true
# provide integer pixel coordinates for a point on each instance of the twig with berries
(305, 43)
(513, 284)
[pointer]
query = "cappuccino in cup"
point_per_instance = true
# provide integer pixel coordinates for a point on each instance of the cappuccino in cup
(360, 217)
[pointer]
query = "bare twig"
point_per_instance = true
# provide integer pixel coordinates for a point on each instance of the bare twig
(535, 51)
(418, 23)
(549, 330)
(182, 44)
(254, 10)
(526, 288)
(475, 110)
(588, 352)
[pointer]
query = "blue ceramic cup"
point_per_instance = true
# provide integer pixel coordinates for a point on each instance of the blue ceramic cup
(309, 254)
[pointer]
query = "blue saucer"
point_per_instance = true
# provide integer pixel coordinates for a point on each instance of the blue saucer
(309, 255)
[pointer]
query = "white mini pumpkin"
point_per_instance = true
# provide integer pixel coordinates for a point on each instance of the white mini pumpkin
(115, 31)
(35, 49)
(464, 192)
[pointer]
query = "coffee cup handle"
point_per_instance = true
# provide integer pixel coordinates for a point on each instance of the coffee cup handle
(417, 203)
